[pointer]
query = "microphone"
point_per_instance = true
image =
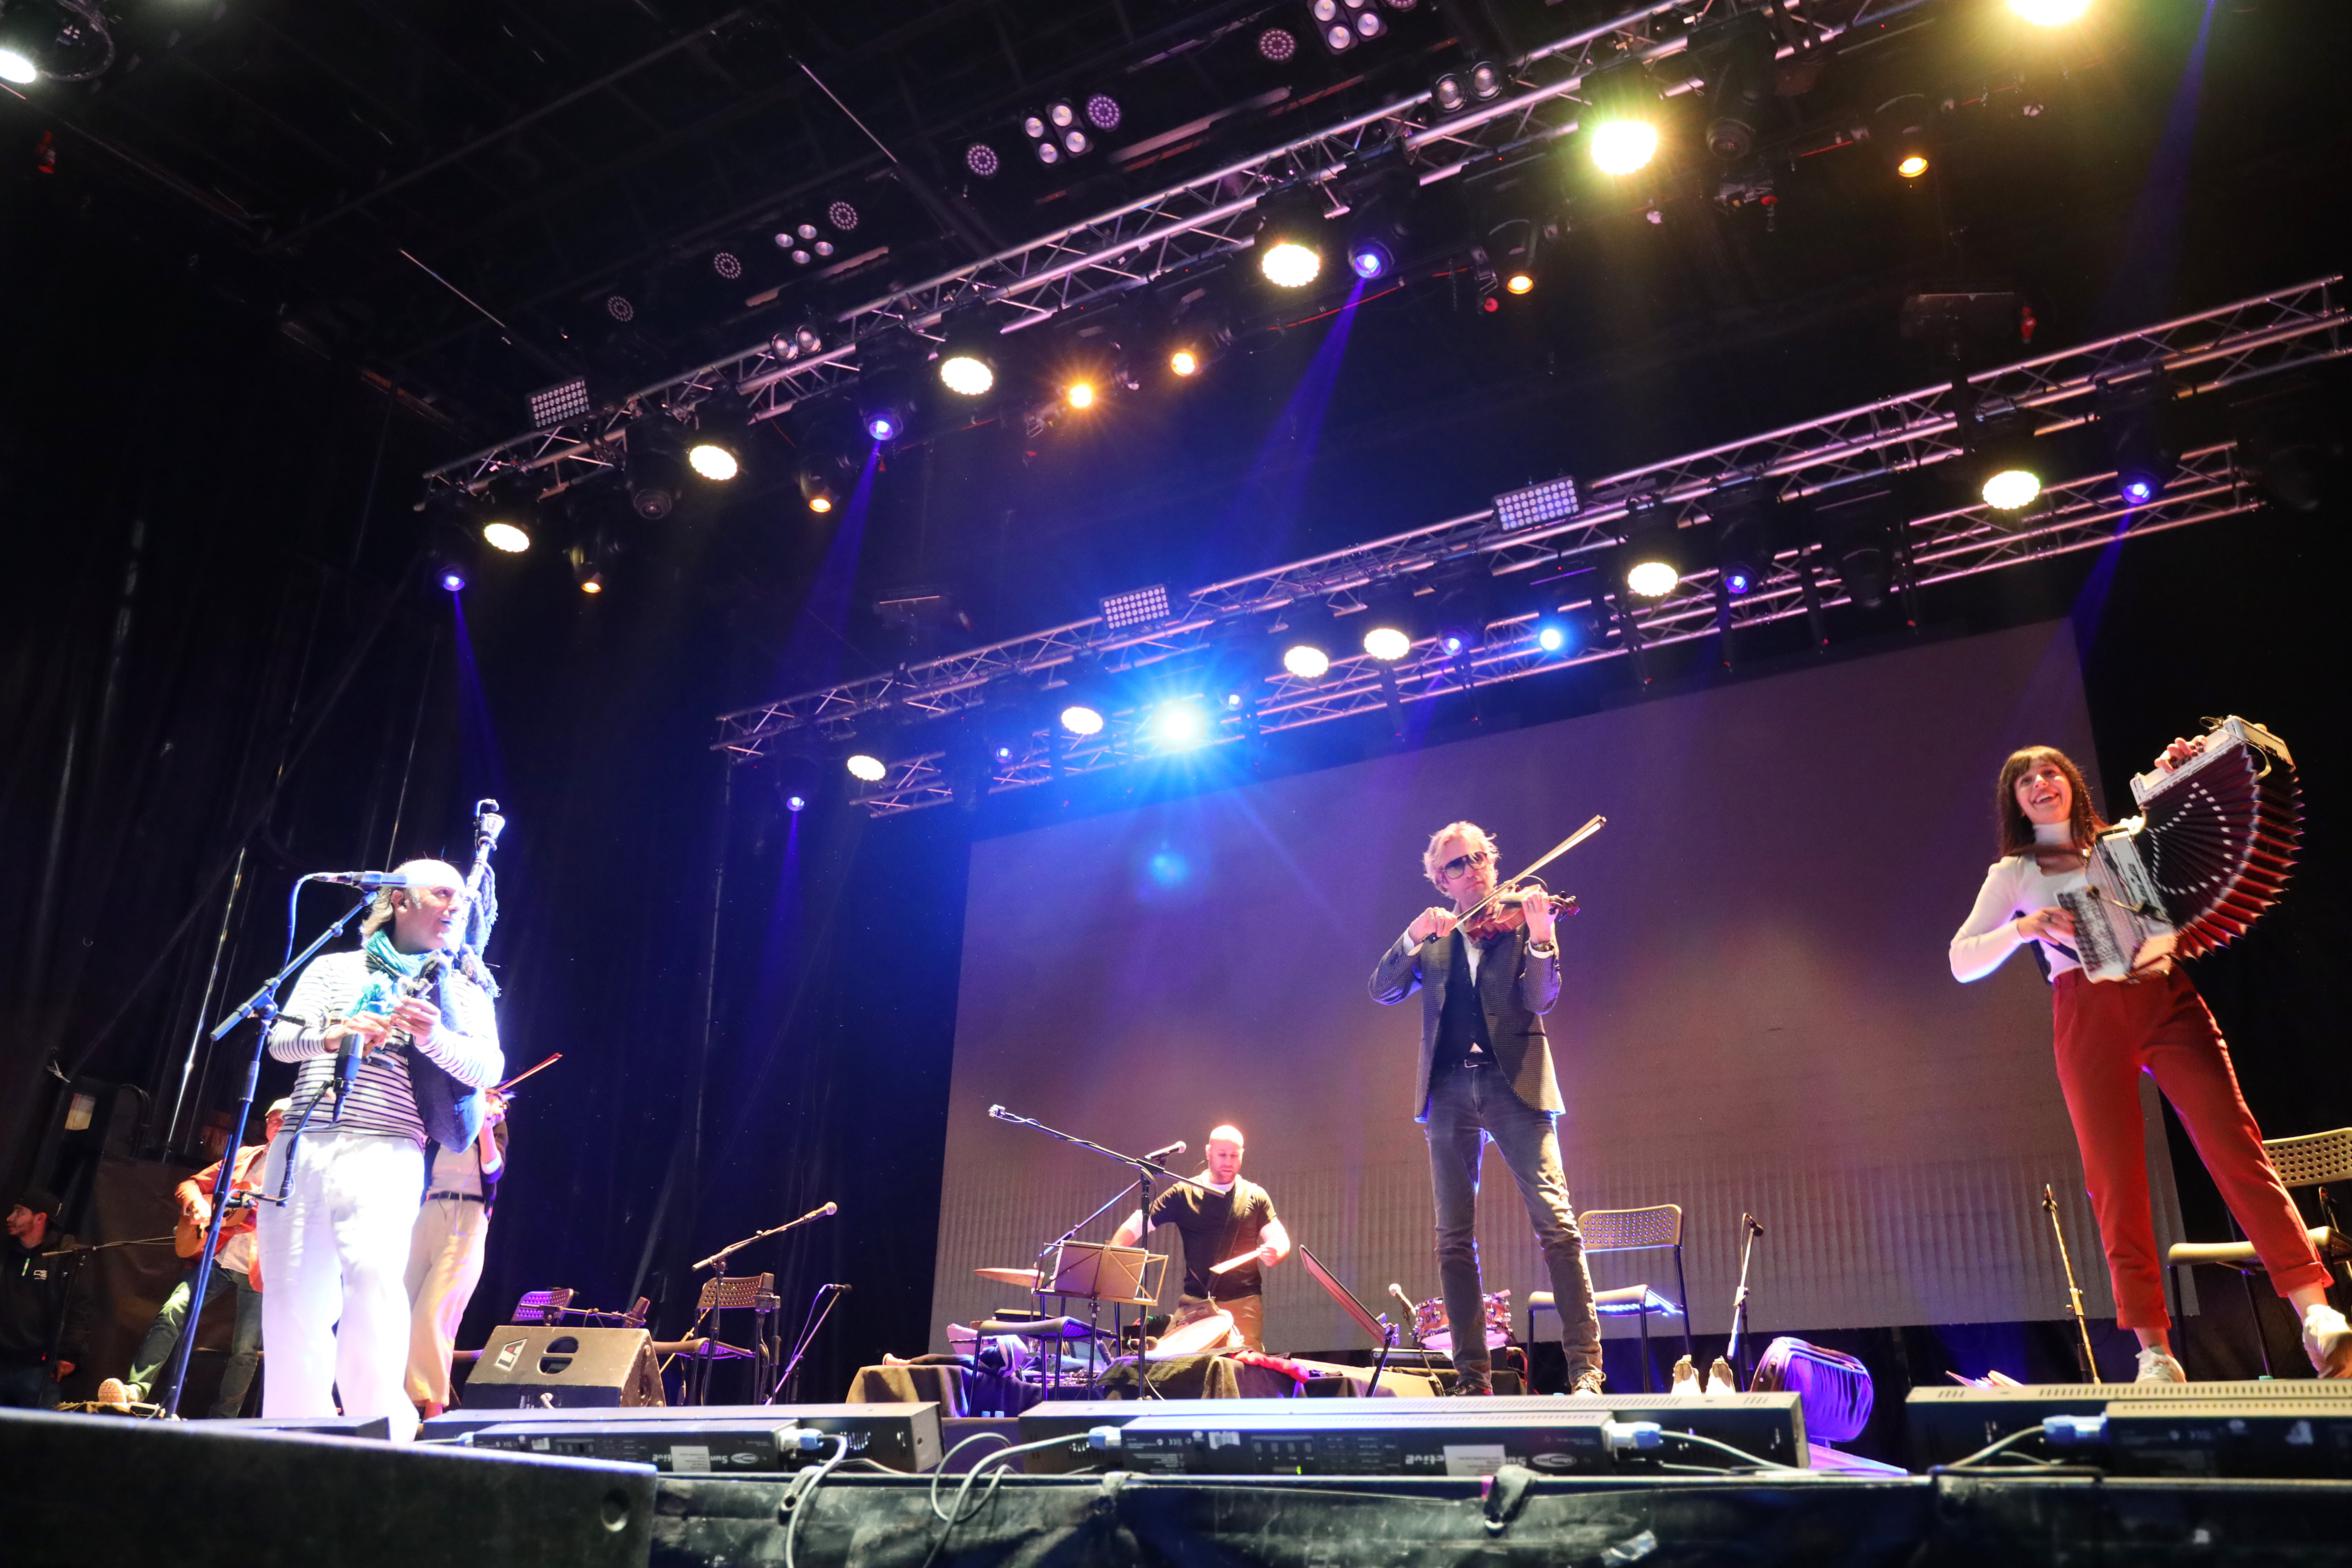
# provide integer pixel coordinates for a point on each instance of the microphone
(1749, 1220)
(1160, 1154)
(366, 881)
(1403, 1300)
(813, 1214)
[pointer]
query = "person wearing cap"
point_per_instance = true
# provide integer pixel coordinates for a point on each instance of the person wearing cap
(43, 1318)
(445, 1254)
(236, 1266)
(410, 1013)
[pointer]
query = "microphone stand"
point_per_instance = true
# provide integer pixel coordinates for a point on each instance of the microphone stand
(827, 1298)
(2082, 1326)
(1145, 1170)
(262, 1006)
(717, 1264)
(1739, 1299)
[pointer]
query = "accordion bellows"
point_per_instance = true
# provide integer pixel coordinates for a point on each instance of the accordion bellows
(2214, 848)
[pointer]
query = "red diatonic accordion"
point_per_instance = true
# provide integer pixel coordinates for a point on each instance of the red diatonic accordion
(2212, 850)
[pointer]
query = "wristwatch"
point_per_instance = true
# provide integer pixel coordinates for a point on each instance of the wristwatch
(1544, 949)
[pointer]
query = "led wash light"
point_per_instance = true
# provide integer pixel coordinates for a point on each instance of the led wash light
(1623, 146)
(1288, 264)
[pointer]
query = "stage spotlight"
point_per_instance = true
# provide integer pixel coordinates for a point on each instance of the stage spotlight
(2050, 13)
(1551, 634)
(1076, 142)
(715, 457)
(1102, 112)
(1653, 558)
(452, 579)
(1082, 718)
(1387, 643)
(506, 535)
(866, 768)
(1307, 640)
(798, 778)
(1520, 282)
(654, 474)
(1277, 44)
(1486, 80)
(2144, 456)
(1079, 394)
(17, 66)
(1389, 624)
(816, 491)
(65, 42)
(587, 558)
(1450, 92)
(884, 421)
(1290, 263)
(1744, 518)
(1183, 361)
(1623, 146)
(966, 373)
(1900, 131)
(982, 160)
(1461, 613)
(1180, 723)
(1370, 259)
(2011, 487)
(1743, 91)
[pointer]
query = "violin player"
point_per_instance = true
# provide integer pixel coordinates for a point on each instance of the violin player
(1485, 1072)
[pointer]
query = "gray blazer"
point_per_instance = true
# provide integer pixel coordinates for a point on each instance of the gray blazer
(1515, 987)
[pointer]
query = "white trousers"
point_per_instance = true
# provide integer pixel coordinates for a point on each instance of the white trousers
(444, 1266)
(334, 1307)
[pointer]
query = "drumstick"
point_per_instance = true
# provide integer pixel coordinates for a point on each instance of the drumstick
(1250, 1256)
(553, 1057)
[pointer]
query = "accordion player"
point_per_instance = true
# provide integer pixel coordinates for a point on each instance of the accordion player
(2211, 850)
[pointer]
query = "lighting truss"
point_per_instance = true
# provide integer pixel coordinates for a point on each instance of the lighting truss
(2200, 354)
(1204, 220)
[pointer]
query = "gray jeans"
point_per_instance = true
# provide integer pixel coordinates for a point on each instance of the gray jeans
(1468, 1106)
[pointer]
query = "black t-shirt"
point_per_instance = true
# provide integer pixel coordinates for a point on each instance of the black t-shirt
(1215, 1226)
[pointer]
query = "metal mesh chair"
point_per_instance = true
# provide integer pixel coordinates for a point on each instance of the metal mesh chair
(1658, 1227)
(2316, 1160)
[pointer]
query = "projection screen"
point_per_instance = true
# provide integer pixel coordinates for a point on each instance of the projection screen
(1756, 1013)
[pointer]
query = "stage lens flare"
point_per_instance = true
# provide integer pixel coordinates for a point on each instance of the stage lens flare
(2050, 13)
(1081, 718)
(513, 538)
(2012, 489)
(866, 768)
(1652, 579)
(1623, 146)
(1288, 264)
(1079, 394)
(1180, 723)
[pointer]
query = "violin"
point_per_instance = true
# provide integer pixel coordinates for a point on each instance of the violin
(1506, 912)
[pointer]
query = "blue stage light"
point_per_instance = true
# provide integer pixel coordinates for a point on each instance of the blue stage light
(2139, 489)
(453, 580)
(796, 803)
(1180, 723)
(1551, 636)
(1370, 259)
(1735, 580)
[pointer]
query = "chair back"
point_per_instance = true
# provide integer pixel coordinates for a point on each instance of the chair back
(2313, 1159)
(736, 1293)
(1623, 1230)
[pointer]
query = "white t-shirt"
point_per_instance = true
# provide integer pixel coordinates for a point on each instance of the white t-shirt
(2012, 887)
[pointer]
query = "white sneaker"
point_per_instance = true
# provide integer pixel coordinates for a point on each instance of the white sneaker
(2327, 1340)
(2157, 1366)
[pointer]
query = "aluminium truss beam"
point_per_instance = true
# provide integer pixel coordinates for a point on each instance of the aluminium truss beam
(1206, 218)
(2080, 514)
(2195, 355)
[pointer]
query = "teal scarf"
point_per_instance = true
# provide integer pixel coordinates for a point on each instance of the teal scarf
(387, 966)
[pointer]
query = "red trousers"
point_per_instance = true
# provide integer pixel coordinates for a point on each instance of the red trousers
(2108, 1034)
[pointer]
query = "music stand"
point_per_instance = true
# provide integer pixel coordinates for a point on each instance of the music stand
(1096, 1272)
(1385, 1333)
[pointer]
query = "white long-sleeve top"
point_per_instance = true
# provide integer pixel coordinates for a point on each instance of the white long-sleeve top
(465, 1046)
(2012, 887)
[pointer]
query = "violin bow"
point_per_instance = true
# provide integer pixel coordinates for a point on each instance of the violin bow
(553, 1057)
(1549, 855)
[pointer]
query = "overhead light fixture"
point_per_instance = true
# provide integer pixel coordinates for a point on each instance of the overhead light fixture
(1369, 259)
(1553, 501)
(566, 400)
(1486, 80)
(2011, 487)
(866, 768)
(1462, 611)
(653, 474)
(1622, 137)
(1079, 394)
(2050, 13)
(2138, 443)
(1450, 92)
(816, 491)
(1180, 723)
(982, 160)
(1085, 697)
(1552, 634)
(1183, 361)
(1081, 718)
(1742, 91)
(1519, 282)
(1653, 554)
(1743, 518)
(885, 421)
(507, 535)
(2009, 463)
(798, 779)
(967, 358)
(64, 42)
(1290, 263)
(1389, 624)
(1276, 45)
(1102, 111)
(1137, 607)
(588, 558)
(1306, 642)
(714, 455)
(1899, 130)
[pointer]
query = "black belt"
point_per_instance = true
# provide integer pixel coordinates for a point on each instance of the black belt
(460, 1197)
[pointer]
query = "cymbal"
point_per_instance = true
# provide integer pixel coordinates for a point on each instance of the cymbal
(1025, 1278)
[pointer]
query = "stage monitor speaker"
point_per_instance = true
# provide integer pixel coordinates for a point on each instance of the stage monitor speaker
(196, 1494)
(1948, 1424)
(1769, 1426)
(547, 1366)
(897, 1436)
(379, 1427)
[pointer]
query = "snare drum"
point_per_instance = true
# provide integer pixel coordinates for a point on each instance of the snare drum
(1429, 1322)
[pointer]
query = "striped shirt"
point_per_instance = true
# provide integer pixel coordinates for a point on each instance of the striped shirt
(381, 1101)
